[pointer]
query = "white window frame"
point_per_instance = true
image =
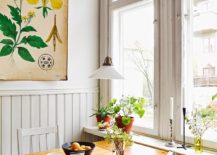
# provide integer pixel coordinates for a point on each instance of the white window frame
(169, 42)
(132, 5)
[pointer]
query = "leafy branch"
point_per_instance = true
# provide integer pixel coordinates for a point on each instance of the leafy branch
(142, 60)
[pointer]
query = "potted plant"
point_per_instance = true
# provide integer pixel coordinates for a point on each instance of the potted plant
(125, 109)
(119, 137)
(103, 117)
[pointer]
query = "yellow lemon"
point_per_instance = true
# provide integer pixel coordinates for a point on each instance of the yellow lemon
(56, 4)
(32, 1)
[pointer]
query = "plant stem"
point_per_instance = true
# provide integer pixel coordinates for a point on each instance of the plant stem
(16, 3)
(20, 27)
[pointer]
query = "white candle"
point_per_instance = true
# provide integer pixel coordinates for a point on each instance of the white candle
(183, 101)
(171, 107)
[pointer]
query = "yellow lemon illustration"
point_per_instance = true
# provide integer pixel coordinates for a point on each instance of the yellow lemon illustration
(32, 1)
(56, 4)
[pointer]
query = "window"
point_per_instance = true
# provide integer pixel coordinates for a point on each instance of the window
(133, 49)
(200, 76)
(175, 57)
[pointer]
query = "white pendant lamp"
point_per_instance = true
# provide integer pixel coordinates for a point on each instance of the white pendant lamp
(106, 71)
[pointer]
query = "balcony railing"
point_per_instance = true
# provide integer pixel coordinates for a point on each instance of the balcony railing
(205, 81)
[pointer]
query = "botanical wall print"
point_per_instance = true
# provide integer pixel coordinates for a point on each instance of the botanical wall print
(33, 39)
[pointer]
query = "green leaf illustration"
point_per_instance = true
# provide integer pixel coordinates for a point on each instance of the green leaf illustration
(36, 41)
(23, 41)
(44, 10)
(7, 42)
(24, 54)
(39, 7)
(28, 29)
(15, 13)
(6, 50)
(7, 27)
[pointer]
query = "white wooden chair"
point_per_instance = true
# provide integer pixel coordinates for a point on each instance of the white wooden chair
(39, 139)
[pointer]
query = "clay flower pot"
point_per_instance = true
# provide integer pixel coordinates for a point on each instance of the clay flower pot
(107, 120)
(127, 128)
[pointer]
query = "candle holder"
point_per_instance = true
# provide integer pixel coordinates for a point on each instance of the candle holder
(171, 142)
(183, 145)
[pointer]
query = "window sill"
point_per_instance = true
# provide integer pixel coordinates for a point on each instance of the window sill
(148, 141)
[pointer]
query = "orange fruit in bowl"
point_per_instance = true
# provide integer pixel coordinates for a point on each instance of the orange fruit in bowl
(87, 147)
(75, 146)
(83, 146)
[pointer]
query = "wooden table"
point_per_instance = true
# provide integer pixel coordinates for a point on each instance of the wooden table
(103, 148)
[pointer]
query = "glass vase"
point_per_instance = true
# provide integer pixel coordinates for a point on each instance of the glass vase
(198, 144)
(119, 147)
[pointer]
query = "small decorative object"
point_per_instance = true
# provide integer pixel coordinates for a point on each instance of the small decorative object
(125, 109)
(171, 143)
(198, 144)
(119, 137)
(184, 146)
(201, 120)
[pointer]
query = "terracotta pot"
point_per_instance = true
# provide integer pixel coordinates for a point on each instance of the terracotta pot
(106, 119)
(126, 128)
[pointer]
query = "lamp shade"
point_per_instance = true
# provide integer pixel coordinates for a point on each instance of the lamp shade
(106, 71)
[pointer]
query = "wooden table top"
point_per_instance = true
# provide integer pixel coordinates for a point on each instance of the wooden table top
(103, 148)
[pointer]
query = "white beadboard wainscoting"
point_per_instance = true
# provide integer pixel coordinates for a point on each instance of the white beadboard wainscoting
(69, 109)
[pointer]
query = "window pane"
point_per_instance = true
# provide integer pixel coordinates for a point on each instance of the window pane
(133, 50)
(200, 68)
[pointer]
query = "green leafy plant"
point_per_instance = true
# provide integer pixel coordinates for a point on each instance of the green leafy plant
(103, 116)
(16, 32)
(128, 107)
(102, 112)
(214, 97)
(116, 134)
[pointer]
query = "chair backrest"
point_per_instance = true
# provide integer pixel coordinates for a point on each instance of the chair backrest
(39, 139)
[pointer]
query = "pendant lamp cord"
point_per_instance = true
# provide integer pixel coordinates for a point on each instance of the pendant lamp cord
(108, 29)
(108, 59)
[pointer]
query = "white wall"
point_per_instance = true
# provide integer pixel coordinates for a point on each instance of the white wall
(66, 103)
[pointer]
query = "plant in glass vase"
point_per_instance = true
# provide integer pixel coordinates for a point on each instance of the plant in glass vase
(119, 137)
(125, 109)
(200, 121)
